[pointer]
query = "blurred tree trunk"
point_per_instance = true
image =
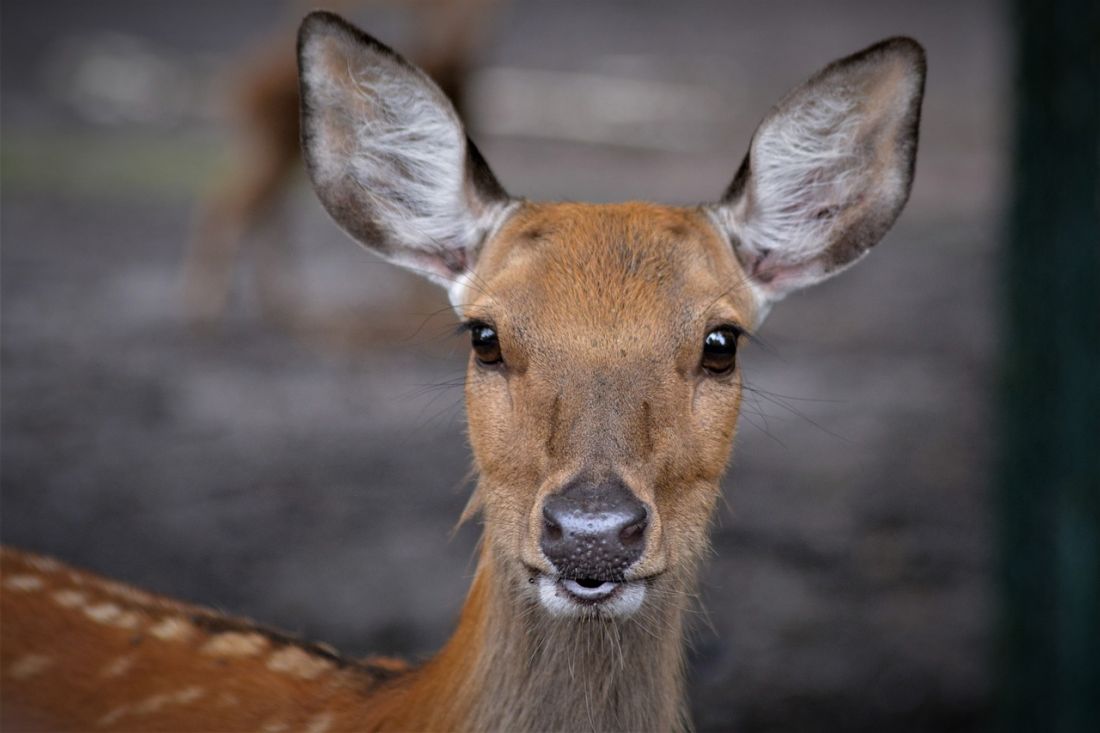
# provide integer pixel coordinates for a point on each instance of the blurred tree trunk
(1049, 465)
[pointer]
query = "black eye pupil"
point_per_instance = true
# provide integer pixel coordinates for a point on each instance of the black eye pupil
(720, 350)
(719, 341)
(484, 335)
(486, 346)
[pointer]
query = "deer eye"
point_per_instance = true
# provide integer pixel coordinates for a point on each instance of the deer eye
(486, 346)
(720, 350)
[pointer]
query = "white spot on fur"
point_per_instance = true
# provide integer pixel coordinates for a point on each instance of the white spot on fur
(298, 662)
(70, 598)
(173, 628)
(152, 704)
(42, 564)
(110, 614)
(274, 726)
(118, 667)
(319, 724)
(188, 695)
(23, 582)
(29, 666)
(235, 644)
(228, 700)
(127, 620)
(113, 717)
(102, 613)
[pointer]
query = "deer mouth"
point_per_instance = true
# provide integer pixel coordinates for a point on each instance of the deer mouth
(589, 596)
(589, 590)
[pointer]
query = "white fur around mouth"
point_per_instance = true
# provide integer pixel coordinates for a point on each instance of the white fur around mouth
(589, 593)
(564, 597)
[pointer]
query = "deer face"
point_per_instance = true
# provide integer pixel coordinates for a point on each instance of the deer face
(602, 394)
(603, 388)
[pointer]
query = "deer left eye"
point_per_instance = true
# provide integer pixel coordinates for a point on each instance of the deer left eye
(485, 343)
(720, 350)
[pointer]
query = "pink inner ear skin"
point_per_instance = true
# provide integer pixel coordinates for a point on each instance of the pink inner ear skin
(760, 272)
(776, 278)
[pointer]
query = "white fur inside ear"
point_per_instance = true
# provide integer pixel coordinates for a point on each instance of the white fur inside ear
(384, 135)
(805, 169)
(462, 289)
(403, 149)
(410, 161)
(762, 299)
(459, 292)
(828, 170)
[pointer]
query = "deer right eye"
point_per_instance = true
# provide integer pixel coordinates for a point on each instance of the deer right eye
(485, 344)
(720, 350)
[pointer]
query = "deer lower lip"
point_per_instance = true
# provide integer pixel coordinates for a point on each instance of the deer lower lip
(589, 591)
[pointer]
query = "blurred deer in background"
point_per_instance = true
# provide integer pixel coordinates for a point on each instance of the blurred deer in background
(263, 100)
(602, 392)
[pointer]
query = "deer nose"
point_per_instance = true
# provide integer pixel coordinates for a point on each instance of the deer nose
(594, 530)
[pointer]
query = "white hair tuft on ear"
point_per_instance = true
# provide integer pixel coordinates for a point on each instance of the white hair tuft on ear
(828, 171)
(389, 157)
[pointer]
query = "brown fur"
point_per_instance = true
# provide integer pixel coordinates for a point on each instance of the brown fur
(113, 658)
(602, 318)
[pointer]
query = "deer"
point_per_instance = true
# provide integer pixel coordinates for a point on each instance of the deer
(602, 395)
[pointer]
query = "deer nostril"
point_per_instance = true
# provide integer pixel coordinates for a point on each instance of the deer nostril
(632, 533)
(550, 526)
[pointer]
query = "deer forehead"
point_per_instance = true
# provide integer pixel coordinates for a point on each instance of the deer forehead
(608, 277)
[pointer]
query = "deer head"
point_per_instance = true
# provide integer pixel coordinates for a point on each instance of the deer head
(603, 387)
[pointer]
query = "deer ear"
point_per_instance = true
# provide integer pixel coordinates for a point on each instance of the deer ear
(389, 157)
(828, 171)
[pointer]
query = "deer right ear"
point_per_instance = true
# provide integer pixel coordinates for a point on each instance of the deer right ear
(828, 171)
(389, 157)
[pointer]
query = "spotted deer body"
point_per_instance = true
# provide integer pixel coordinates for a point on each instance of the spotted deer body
(602, 397)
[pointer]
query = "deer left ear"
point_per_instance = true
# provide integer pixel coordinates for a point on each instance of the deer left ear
(828, 170)
(389, 158)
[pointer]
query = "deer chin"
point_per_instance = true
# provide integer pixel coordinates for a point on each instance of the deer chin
(565, 597)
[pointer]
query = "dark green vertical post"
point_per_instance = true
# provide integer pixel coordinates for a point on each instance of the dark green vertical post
(1048, 492)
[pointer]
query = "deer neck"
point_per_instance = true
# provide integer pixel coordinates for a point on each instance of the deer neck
(510, 666)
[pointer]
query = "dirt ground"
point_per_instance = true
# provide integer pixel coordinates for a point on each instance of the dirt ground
(313, 481)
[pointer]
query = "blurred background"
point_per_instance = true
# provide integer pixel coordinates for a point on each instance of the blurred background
(210, 392)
